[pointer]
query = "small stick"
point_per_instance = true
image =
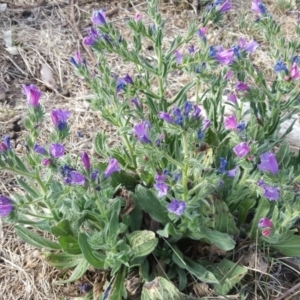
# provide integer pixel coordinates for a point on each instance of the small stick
(288, 292)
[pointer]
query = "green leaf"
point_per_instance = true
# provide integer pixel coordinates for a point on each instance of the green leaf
(150, 204)
(100, 143)
(34, 239)
(228, 274)
(63, 228)
(27, 188)
(170, 231)
(288, 245)
(62, 260)
(78, 272)
(260, 212)
(129, 181)
(118, 290)
(69, 244)
(142, 242)
(193, 267)
(95, 259)
(161, 289)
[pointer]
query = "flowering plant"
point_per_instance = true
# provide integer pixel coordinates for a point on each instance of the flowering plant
(184, 174)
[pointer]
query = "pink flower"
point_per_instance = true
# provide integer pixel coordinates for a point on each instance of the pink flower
(265, 222)
(137, 17)
(294, 73)
(232, 98)
(230, 123)
(266, 232)
(241, 149)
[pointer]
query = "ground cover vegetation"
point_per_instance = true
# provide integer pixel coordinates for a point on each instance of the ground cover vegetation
(186, 187)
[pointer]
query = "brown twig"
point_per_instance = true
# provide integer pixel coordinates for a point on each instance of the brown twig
(288, 292)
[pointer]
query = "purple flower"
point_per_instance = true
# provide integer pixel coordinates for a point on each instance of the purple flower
(165, 116)
(32, 93)
(128, 79)
(98, 17)
(178, 118)
(294, 72)
(191, 49)
(176, 176)
(206, 124)
(265, 222)
(241, 149)
(113, 166)
(280, 66)
(225, 57)
(57, 150)
(268, 163)
(161, 188)
(76, 60)
(92, 37)
(202, 33)
(251, 46)
(39, 149)
(176, 207)
(223, 164)
(140, 131)
(136, 102)
(187, 107)
(137, 17)
(241, 86)
(5, 145)
(230, 123)
(225, 6)
(258, 7)
(212, 52)
(232, 98)
(228, 75)
(200, 134)
(233, 172)
(270, 192)
(59, 118)
(160, 178)
(76, 178)
(196, 112)
(85, 160)
(46, 161)
(178, 56)
(241, 126)
(5, 206)
(94, 175)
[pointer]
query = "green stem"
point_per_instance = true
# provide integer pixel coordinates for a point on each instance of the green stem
(100, 206)
(197, 91)
(126, 141)
(19, 172)
(40, 182)
(185, 166)
(172, 160)
(39, 216)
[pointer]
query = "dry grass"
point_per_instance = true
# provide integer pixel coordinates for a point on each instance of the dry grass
(44, 34)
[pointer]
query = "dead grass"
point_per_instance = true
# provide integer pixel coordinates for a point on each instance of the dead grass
(43, 34)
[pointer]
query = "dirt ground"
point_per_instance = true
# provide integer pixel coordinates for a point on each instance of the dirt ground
(34, 33)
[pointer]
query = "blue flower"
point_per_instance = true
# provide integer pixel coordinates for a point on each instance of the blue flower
(280, 66)
(223, 164)
(176, 207)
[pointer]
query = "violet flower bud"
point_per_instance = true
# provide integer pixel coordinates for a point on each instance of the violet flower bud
(98, 17)
(32, 93)
(6, 206)
(265, 222)
(46, 161)
(113, 166)
(39, 149)
(85, 160)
